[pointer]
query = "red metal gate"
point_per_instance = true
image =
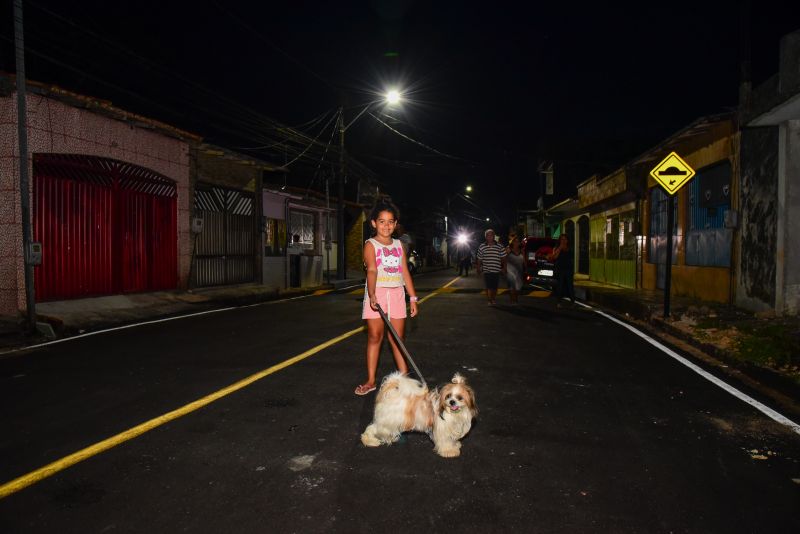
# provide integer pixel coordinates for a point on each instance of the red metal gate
(106, 227)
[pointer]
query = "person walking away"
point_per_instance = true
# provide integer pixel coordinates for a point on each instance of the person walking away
(564, 261)
(388, 279)
(515, 265)
(464, 260)
(491, 260)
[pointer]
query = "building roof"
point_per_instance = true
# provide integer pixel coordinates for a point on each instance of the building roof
(236, 157)
(8, 83)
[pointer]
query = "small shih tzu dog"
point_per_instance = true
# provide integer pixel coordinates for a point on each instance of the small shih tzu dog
(405, 405)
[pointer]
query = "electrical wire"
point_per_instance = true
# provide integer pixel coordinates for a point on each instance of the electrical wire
(276, 47)
(423, 145)
(313, 141)
(240, 120)
(330, 140)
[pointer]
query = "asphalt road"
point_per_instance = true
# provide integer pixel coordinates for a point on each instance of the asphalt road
(583, 427)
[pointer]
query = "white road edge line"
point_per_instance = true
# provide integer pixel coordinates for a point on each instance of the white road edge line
(766, 410)
(106, 330)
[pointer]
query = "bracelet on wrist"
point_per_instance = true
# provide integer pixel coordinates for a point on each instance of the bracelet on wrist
(413, 299)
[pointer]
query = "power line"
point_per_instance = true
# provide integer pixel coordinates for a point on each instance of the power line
(276, 47)
(330, 140)
(313, 141)
(231, 117)
(423, 145)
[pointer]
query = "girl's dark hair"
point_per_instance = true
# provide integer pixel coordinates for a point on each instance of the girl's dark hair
(384, 205)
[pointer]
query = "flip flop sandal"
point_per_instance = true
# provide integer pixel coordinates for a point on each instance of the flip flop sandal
(363, 389)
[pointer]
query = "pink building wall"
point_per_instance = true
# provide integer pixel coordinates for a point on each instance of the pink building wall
(57, 127)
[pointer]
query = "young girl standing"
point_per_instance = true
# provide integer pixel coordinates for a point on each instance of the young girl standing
(387, 274)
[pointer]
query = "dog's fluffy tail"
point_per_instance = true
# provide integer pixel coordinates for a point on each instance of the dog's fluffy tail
(399, 384)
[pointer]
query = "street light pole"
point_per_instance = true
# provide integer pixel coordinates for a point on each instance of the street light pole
(447, 234)
(341, 264)
(392, 97)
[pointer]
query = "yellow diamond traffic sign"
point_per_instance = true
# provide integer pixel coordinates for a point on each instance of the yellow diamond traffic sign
(672, 173)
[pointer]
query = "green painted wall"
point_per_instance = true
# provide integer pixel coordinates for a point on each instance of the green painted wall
(617, 272)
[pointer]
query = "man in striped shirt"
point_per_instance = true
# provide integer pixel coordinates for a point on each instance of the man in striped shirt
(491, 262)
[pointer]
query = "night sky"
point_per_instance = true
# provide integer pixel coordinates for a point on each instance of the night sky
(491, 89)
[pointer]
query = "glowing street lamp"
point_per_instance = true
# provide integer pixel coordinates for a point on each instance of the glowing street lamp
(393, 97)
(467, 189)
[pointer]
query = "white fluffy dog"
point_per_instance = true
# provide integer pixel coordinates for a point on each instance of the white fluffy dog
(405, 405)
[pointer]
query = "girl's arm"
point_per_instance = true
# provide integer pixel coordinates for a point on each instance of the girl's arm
(372, 274)
(410, 287)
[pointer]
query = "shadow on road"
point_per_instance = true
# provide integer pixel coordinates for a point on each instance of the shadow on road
(548, 314)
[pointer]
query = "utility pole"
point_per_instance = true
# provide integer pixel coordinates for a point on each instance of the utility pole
(24, 192)
(341, 263)
(327, 229)
(447, 232)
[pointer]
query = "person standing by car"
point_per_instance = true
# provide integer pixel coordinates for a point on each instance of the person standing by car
(515, 266)
(565, 269)
(491, 262)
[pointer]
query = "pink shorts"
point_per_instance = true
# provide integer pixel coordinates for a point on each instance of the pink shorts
(391, 299)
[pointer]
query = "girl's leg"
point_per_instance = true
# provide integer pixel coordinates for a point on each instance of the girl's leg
(399, 360)
(374, 339)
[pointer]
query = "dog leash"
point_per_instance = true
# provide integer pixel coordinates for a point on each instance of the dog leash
(400, 344)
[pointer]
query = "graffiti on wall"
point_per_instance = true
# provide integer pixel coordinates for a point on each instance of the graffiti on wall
(759, 197)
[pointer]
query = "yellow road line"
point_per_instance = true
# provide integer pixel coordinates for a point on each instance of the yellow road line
(83, 454)
(51, 469)
(322, 291)
(359, 291)
(444, 289)
(538, 294)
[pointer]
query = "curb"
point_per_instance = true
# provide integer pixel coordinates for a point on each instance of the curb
(764, 375)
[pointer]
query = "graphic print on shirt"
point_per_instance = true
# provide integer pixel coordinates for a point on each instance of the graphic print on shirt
(391, 260)
(389, 263)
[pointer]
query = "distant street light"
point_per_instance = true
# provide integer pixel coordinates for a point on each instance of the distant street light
(468, 189)
(393, 97)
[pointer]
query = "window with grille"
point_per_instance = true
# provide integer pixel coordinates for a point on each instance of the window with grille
(275, 237)
(302, 229)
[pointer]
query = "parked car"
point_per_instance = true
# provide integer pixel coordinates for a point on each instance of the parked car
(538, 269)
